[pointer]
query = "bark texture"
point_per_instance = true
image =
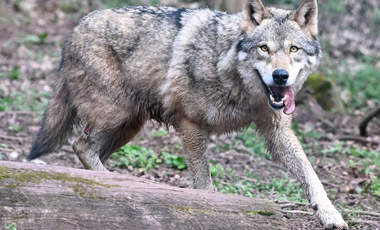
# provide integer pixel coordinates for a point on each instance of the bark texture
(50, 197)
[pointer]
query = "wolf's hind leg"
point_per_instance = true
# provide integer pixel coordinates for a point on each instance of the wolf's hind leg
(120, 138)
(87, 149)
(194, 143)
(95, 147)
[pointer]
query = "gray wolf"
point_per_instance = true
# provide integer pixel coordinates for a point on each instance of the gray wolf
(200, 71)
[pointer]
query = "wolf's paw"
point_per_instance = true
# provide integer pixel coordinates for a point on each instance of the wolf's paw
(331, 219)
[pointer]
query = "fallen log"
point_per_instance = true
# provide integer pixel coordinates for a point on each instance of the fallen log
(50, 197)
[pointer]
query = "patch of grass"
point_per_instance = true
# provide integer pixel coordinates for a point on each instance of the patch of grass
(16, 128)
(158, 134)
(4, 103)
(376, 22)
(12, 226)
(216, 170)
(283, 188)
(177, 162)
(135, 156)
(362, 85)
(374, 187)
(25, 101)
(253, 141)
(15, 74)
(364, 160)
(36, 39)
(286, 189)
(335, 6)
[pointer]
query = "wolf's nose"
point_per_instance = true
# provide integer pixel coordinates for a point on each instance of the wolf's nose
(280, 76)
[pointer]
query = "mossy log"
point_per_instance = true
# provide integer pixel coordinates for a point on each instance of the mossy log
(49, 197)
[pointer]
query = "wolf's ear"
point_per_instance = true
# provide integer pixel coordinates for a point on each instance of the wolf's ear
(253, 13)
(307, 17)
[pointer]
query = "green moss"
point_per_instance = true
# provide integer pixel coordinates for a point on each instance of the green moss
(21, 215)
(182, 208)
(189, 209)
(82, 191)
(265, 213)
(322, 87)
(18, 177)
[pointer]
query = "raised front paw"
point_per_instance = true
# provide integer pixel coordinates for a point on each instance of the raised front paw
(331, 219)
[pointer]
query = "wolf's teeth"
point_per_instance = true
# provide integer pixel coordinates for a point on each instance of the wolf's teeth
(271, 98)
(278, 103)
(284, 98)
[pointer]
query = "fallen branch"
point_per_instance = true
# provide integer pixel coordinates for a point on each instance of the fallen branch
(51, 197)
(297, 212)
(281, 202)
(363, 212)
(13, 138)
(356, 138)
(364, 122)
(10, 150)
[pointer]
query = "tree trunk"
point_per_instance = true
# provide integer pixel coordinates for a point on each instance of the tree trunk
(49, 197)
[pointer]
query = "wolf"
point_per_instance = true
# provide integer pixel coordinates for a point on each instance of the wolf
(201, 71)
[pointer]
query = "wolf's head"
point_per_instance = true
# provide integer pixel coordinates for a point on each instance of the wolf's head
(280, 48)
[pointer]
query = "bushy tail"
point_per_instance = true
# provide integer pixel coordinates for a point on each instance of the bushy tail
(57, 123)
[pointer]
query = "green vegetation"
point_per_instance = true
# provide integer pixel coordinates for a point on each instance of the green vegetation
(337, 6)
(217, 169)
(253, 184)
(145, 158)
(173, 161)
(362, 85)
(374, 27)
(366, 161)
(28, 100)
(135, 156)
(158, 134)
(15, 73)
(357, 87)
(16, 128)
(40, 39)
(20, 177)
(12, 226)
(253, 141)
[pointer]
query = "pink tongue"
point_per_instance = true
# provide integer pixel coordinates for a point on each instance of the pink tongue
(290, 104)
(280, 92)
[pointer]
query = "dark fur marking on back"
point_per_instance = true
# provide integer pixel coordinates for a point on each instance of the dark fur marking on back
(176, 16)
(164, 14)
(190, 68)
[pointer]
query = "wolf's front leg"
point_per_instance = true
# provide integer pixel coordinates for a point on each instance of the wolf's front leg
(194, 143)
(285, 148)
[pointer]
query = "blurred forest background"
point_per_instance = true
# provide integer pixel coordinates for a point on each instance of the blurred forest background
(336, 117)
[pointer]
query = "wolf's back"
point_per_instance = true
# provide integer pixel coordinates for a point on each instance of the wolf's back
(56, 124)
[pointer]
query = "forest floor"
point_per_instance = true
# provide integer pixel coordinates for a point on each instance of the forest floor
(31, 38)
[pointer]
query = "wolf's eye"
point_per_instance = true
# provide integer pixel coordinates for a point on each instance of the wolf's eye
(264, 48)
(293, 49)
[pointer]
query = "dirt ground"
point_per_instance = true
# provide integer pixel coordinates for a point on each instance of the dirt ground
(32, 62)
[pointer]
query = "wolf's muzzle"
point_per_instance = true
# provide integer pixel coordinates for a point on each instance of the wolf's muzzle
(280, 76)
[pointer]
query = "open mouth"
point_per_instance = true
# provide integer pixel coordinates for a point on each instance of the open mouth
(279, 97)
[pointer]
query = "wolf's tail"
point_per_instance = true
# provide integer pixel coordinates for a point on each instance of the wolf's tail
(57, 123)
